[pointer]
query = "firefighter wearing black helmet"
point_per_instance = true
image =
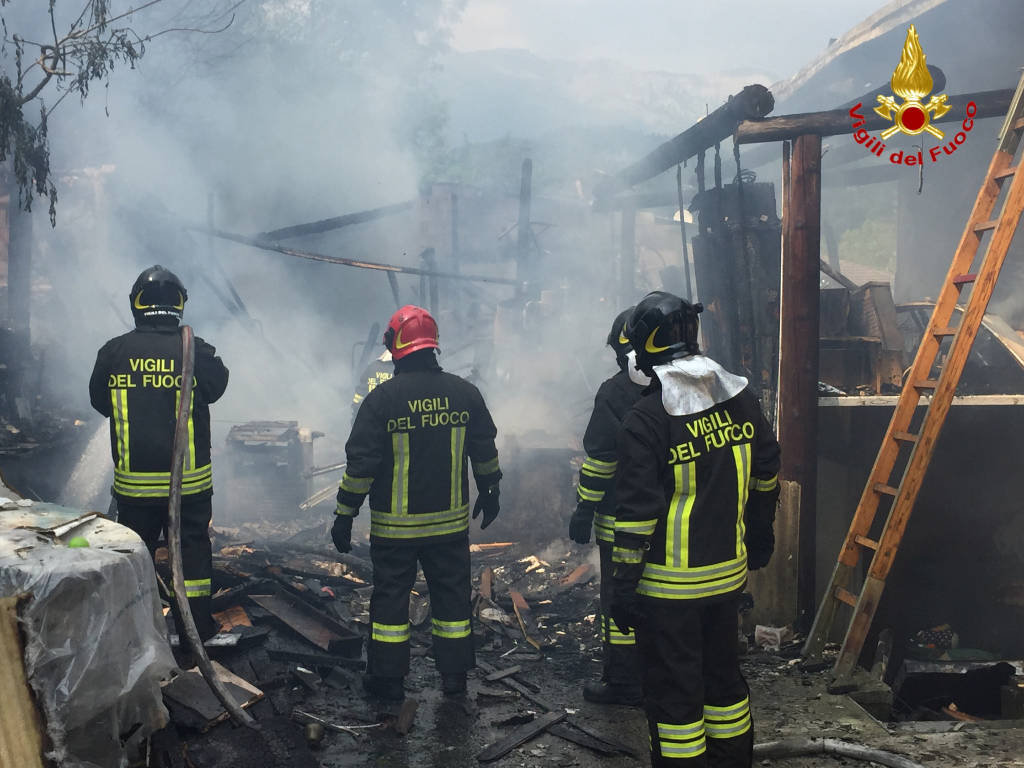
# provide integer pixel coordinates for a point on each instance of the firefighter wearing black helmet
(136, 383)
(413, 437)
(595, 508)
(696, 487)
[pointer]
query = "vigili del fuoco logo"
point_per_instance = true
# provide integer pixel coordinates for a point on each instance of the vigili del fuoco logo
(912, 82)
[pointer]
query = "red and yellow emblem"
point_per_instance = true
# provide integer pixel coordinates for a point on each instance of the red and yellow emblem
(912, 82)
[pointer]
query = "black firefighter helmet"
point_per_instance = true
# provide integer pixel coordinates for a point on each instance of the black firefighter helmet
(158, 297)
(663, 327)
(617, 335)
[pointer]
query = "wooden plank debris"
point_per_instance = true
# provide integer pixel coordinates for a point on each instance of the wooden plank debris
(21, 741)
(487, 583)
(520, 736)
(572, 732)
(580, 575)
(318, 628)
(406, 716)
(314, 659)
(503, 673)
(195, 704)
(532, 697)
(232, 617)
(525, 616)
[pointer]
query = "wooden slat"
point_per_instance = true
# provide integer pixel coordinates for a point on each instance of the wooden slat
(21, 742)
(1018, 124)
(886, 489)
(927, 384)
(944, 331)
(905, 437)
(864, 541)
(845, 596)
(1006, 174)
(986, 226)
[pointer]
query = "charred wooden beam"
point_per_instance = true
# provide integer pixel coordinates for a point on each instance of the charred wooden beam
(754, 101)
(798, 350)
(336, 222)
(838, 121)
(263, 245)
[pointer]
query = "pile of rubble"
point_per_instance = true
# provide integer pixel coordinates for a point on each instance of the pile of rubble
(294, 615)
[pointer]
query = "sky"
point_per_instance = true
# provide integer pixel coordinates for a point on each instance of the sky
(683, 36)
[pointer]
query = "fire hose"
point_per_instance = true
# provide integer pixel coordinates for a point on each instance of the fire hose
(240, 716)
(805, 747)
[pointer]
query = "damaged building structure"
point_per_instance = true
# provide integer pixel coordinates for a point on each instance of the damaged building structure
(744, 211)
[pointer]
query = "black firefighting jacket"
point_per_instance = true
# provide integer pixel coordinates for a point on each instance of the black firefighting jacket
(687, 487)
(408, 450)
(376, 372)
(136, 382)
(597, 475)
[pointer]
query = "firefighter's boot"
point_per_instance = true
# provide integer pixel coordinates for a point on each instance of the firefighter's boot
(388, 687)
(600, 692)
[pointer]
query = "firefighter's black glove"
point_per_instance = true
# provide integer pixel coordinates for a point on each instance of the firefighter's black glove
(760, 546)
(581, 523)
(487, 502)
(626, 610)
(341, 533)
(760, 523)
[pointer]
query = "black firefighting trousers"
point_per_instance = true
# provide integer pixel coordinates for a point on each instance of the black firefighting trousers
(150, 520)
(695, 697)
(446, 568)
(621, 665)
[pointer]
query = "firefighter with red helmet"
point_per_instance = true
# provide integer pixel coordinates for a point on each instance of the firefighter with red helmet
(595, 509)
(696, 486)
(136, 383)
(408, 450)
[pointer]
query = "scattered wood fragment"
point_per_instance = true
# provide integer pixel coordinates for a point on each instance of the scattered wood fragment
(503, 673)
(493, 546)
(487, 583)
(232, 617)
(525, 616)
(520, 736)
(580, 575)
(406, 716)
(310, 659)
(195, 703)
(318, 628)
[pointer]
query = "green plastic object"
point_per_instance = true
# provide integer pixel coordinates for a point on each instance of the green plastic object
(78, 542)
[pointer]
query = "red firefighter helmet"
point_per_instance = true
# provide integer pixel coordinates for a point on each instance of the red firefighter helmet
(409, 329)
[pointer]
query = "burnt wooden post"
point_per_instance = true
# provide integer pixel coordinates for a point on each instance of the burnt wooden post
(798, 353)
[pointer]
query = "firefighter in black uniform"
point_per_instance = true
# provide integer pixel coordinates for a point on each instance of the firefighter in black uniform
(595, 508)
(377, 372)
(696, 487)
(136, 383)
(408, 451)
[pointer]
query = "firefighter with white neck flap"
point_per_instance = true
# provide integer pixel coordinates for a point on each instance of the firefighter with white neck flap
(696, 487)
(595, 508)
(408, 450)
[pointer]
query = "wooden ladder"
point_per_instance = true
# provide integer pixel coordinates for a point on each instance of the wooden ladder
(942, 333)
